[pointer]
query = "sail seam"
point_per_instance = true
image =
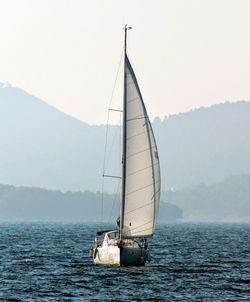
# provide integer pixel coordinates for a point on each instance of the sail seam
(136, 118)
(142, 188)
(140, 170)
(138, 208)
(141, 231)
(132, 136)
(141, 151)
(132, 100)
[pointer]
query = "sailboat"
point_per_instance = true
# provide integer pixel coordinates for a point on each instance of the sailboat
(141, 182)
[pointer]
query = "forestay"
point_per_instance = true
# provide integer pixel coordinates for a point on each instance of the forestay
(142, 177)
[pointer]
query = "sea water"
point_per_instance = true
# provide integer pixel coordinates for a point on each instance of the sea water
(190, 262)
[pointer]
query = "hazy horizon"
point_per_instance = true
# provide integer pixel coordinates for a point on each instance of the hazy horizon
(161, 117)
(186, 54)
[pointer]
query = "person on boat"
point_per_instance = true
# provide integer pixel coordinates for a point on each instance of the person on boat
(105, 240)
(118, 221)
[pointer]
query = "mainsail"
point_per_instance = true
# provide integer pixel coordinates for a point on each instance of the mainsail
(141, 184)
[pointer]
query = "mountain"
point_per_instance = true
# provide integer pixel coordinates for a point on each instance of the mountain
(228, 200)
(205, 145)
(43, 147)
(29, 204)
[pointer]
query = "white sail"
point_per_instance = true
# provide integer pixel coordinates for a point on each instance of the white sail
(142, 172)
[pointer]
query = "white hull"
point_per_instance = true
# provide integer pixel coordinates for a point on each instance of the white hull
(107, 255)
(112, 251)
(125, 256)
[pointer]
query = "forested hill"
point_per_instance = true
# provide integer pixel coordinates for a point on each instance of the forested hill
(224, 201)
(43, 147)
(32, 204)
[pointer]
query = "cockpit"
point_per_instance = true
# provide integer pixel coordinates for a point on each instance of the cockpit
(113, 235)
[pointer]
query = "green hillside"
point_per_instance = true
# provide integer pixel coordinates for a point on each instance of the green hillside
(225, 201)
(24, 203)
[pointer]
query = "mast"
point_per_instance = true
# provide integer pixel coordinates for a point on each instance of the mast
(124, 137)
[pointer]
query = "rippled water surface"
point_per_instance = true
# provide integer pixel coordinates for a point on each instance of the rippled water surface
(190, 262)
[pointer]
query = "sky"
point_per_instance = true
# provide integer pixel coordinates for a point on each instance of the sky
(185, 53)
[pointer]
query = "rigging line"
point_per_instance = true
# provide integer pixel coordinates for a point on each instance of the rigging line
(112, 145)
(116, 110)
(109, 109)
(106, 136)
(116, 77)
(120, 166)
(115, 197)
(102, 200)
(111, 176)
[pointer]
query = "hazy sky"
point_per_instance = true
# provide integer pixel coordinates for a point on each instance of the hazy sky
(186, 53)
